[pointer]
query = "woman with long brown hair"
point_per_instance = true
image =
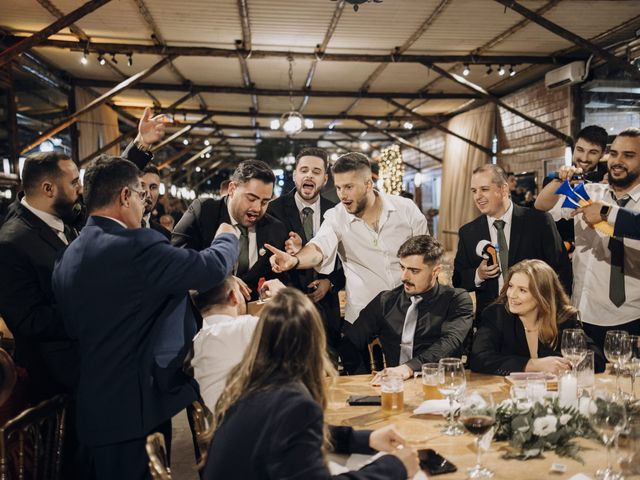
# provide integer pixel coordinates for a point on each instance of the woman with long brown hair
(521, 331)
(268, 422)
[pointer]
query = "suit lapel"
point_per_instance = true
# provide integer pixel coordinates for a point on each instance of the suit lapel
(44, 231)
(517, 225)
(292, 213)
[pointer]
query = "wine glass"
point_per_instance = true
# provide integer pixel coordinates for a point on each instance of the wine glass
(607, 415)
(617, 349)
(574, 346)
(478, 415)
(451, 384)
(634, 363)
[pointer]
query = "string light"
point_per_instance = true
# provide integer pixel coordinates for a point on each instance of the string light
(391, 169)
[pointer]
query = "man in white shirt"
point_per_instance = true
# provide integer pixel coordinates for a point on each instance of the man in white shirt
(226, 332)
(606, 270)
(365, 231)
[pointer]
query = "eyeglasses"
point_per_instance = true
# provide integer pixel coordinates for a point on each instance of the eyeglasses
(141, 193)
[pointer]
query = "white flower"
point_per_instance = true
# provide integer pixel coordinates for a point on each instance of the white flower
(544, 426)
(564, 418)
(261, 252)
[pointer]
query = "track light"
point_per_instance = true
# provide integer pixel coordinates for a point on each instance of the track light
(101, 59)
(130, 59)
(84, 60)
(185, 141)
(113, 58)
(512, 72)
(207, 143)
(501, 70)
(489, 70)
(466, 71)
(407, 125)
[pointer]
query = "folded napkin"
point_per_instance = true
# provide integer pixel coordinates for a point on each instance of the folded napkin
(357, 461)
(435, 407)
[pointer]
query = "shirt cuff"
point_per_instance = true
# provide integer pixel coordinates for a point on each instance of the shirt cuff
(613, 215)
(477, 280)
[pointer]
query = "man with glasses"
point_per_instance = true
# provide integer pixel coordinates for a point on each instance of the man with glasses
(123, 291)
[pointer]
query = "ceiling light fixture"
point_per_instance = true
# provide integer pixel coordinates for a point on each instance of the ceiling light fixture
(130, 59)
(466, 70)
(356, 3)
(407, 125)
(113, 58)
(512, 71)
(501, 70)
(101, 59)
(84, 60)
(291, 122)
(489, 70)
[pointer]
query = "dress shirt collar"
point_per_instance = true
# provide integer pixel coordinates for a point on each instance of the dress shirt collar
(387, 207)
(215, 319)
(426, 296)
(634, 193)
(508, 215)
(115, 220)
(301, 203)
(51, 220)
(147, 220)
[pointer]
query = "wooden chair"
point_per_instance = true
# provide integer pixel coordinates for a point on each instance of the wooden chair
(200, 418)
(31, 443)
(377, 360)
(158, 461)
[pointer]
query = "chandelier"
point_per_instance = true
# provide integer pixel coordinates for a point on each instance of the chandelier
(291, 122)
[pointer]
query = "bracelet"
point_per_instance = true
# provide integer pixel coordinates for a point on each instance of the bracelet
(141, 147)
(297, 263)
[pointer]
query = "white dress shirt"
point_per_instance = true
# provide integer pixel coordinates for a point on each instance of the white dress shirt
(493, 234)
(592, 264)
(369, 258)
(146, 220)
(302, 203)
(253, 241)
(217, 348)
(56, 224)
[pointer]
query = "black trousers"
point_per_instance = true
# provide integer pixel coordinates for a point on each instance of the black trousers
(127, 460)
(597, 333)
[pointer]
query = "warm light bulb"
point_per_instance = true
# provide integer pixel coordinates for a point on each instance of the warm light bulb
(275, 124)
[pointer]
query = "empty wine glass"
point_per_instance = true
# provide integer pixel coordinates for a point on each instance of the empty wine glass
(451, 384)
(634, 363)
(617, 349)
(607, 415)
(478, 415)
(574, 346)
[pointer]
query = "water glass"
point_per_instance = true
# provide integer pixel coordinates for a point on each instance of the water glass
(573, 346)
(536, 389)
(617, 349)
(451, 383)
(608, 417)
(586, 373)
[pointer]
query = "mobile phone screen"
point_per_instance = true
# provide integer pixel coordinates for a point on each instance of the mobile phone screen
(434, 463)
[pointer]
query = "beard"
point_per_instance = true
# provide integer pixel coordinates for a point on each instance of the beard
(361, 204)
(623, 182)
(69, 211)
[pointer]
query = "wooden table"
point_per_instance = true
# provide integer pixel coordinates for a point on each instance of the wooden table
(423, 431)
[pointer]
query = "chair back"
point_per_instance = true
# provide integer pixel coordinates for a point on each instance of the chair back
(158, 459)
(31, 443)
(200, 419)
(377, 360)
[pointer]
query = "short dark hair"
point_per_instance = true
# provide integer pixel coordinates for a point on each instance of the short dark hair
(218, 295)
(424, 245)
(106, 178)
(351, 162)
(594, 134)
(150, 168)
(40, 166)
(253, 169)
(630, 132)
(313, 152)
(499, 176)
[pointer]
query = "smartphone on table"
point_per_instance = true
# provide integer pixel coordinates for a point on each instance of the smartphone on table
(435, 464)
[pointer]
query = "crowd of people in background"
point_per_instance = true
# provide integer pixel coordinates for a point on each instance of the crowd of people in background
(110, 289)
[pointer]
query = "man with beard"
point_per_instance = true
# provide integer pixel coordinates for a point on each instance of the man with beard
(606, 270)
(150, 180)
(365, 231)
(245, 207)
(301, 210)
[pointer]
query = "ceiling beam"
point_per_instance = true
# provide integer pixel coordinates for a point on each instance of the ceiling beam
(179, 154)
(314, 129)
(243, 49)
(195, 51)
(124, 85)
(182, 131)
(278, 92)
(405, 142)
(586, 45)
(111, 144)
(35, 39)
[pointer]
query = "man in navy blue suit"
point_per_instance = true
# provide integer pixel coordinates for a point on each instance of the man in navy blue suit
(123, 294)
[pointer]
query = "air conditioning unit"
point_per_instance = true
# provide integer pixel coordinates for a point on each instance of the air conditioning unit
(570, 74)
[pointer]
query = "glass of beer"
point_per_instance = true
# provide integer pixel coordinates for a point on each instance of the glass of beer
(430, 381)
(392, 393)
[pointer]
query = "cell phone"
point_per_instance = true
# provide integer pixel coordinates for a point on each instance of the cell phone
(435, 464)
(360, 400)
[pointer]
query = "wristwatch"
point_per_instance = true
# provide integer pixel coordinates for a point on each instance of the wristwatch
(141, 147)
(604, 212)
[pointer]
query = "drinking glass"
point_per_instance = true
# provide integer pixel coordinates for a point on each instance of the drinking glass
(586, 373)
(629, 448)
(634, 363)
(607, 415)
(617, 349)
(430, 381)
(392, 393)
(573, 346)
(478, 415)
(451, 383)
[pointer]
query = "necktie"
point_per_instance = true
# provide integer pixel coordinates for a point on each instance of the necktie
(143, 223)
(307, 222)
(243, 259)
(408, 331)
(503, 249)
(616, 277)
(69, 233)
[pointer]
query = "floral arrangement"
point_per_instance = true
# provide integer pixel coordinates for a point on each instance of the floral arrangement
(532, 428)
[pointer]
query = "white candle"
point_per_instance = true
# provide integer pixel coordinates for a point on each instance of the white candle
(568, 390)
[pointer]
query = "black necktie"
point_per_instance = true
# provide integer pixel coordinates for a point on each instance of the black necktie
(243, 259)
(307, 222)
(70, 233)
(616, 278)
(503, 249)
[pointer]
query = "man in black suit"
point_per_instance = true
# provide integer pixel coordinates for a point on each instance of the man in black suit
(150, 180)
(245, 207)
(517, 233)
(302, 211)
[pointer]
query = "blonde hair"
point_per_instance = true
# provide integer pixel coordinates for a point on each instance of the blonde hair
(288, 345)
(554, 306)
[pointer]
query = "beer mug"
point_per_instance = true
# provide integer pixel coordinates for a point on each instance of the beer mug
(392, 393)
(430, 381)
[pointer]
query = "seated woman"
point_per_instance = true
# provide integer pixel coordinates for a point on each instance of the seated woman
(522, 330)
(268, 422)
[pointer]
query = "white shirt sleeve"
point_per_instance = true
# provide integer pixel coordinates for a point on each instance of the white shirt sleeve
(327, 239)
(417, 220)
(558, 213)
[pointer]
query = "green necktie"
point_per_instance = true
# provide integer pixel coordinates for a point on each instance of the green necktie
(503, 249)
(243, 258)
(616, 277)
(307, 222)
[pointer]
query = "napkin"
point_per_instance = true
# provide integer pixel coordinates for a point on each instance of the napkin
(435, 407)
(580, 476)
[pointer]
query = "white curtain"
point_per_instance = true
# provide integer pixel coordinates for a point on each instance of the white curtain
(96, 128)
(460, 159)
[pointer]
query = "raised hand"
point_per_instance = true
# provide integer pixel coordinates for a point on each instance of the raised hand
(281, 261)
(150, 129)
(293, 244)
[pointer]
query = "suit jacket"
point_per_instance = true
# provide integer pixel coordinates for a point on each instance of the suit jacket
(200, 222)
(277, 433)
(627, 224)
(123, 294)
(500, 345)
(533, 235)
(159, 228)
(284, 208)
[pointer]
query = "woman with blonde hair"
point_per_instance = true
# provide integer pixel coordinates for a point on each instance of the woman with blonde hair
(522, 330)
(268, 422)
